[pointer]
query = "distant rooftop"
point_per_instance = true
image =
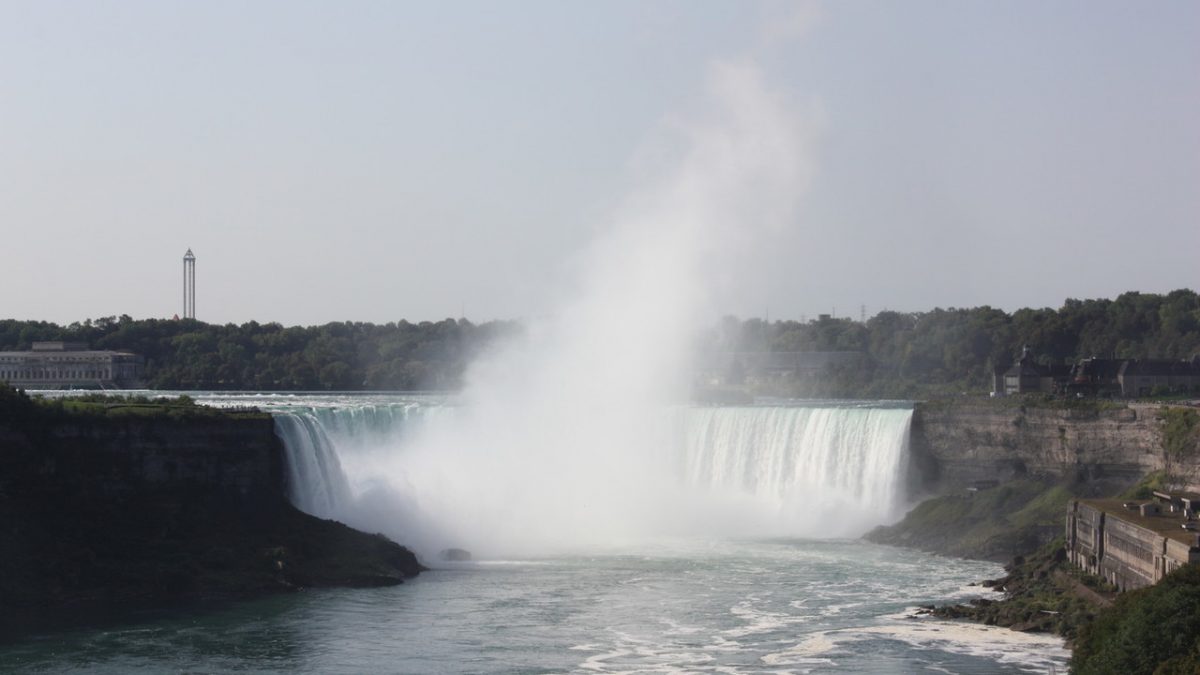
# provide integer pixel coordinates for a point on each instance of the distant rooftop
(1166, 524)
(59, 346)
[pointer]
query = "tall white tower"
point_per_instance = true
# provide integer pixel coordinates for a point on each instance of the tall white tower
(189, 285)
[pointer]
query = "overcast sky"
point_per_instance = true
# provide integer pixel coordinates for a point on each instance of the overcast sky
(377, 161)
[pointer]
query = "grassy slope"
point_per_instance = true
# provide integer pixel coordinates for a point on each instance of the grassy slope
(993, 524)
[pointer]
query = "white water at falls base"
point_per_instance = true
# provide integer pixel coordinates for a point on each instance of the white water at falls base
(658, 601)
(786, 470)
(804, 471)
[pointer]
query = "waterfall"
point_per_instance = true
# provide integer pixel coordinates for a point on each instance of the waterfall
(316, 483)
(799, 460)
(781, 470)
(320, 440)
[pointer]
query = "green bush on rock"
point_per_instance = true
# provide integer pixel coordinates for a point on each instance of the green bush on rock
(1155, 630)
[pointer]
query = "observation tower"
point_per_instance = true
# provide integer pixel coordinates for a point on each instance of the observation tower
(189, 285)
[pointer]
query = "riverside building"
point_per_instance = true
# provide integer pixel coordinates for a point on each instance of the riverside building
(70, 365)
(1132, 544)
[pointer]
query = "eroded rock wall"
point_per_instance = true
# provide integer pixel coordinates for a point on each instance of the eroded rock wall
(955, 444)
(101, 513)
(239, 459)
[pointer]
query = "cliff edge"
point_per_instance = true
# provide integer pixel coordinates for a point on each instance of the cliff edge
(956, 444)
(105, 506)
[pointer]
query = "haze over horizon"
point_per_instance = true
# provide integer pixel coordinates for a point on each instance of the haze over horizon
(379, 161)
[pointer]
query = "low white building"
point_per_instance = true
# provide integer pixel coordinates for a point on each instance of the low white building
(63, 365)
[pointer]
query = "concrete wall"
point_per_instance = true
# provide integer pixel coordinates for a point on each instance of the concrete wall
(1130, 554)
(1085, 537)
(1128, 549)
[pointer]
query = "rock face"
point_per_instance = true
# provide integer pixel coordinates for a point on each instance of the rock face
(98, 514)
(957, 444)
(455, 555)
(233, 458)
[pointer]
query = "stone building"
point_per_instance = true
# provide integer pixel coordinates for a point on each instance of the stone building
(68, 365)
(1096, 377)
(1026, 376)
(1133, 544)
(1128, 378)
(1141, 377)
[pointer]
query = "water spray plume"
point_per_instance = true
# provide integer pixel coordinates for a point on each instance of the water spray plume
(560, 430)
(564, 438)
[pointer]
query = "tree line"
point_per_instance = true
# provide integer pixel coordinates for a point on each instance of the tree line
(339, 356)
(952, 351)
(903, 354)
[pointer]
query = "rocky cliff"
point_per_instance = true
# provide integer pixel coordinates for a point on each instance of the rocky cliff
(230, 457)
(957, 443)
(101, 512)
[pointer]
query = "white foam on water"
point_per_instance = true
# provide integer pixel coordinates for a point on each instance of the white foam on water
(1029, 651)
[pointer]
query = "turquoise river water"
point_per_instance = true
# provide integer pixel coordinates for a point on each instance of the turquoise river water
(721, 601)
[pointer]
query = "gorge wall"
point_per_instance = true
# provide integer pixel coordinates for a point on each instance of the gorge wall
(957, 443)
(234, 459)
(101, 513)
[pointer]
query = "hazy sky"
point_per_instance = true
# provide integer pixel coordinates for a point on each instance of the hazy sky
(384, 160)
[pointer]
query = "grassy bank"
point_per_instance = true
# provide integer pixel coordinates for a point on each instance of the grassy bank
(997, 523)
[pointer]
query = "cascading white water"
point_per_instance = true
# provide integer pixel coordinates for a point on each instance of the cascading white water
(316, 482)
(787, 470)
(319, 440)
(841, 466)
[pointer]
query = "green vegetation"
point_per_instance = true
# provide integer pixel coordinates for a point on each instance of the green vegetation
(913, 355)
(189, 354)
(1181, 444)
(1021, 403)
(1154, 630)
(993, 524)
(946, 352)
(1043, 593)
(21, 411)
(1146, 487)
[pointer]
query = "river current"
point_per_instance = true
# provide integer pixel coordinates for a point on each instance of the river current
(689, 602)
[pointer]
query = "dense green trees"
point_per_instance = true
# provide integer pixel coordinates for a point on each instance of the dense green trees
(954, 350)
(188, 354)
(1152, 630)
(904, 354)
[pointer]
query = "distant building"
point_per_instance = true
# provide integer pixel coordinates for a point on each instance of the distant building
(1128, 378)
(68, 365)
(1141, 377)
(1096, 377)
(1133, 544)
(1027, 375)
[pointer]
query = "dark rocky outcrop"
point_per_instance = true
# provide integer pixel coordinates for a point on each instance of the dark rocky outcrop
(1042, 594)
(101, 512)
